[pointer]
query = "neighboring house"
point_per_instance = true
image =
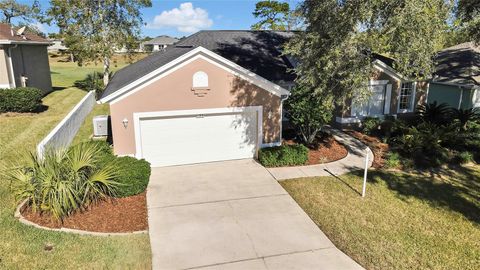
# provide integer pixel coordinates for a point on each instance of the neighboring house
(57, 46)
(159, 43)
(216, 95)
(392, 95)
(23, 59)
(456, 81)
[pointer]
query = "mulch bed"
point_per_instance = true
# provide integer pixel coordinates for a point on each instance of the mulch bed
(378, 148)
(112, 215)
(327, 149)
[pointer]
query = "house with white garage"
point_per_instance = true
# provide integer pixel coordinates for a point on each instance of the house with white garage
(216, 95)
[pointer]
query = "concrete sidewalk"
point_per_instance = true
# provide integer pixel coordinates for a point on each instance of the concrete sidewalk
(355, 160)
(232, 215)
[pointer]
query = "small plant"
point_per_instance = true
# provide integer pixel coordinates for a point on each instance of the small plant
(133, 177)
(464, 116)
(371, 125)
(285, 155)
(64, 181)
(93, 81)
(22, 99)
(392, 160)
(464, 157)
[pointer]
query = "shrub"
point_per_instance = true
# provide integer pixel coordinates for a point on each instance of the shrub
(22, 99)
(371, 125)
(65, 180)
(285, 155)
(392, 160)
(433, 113)
(133, 176)
(93, 81)
(464, 157)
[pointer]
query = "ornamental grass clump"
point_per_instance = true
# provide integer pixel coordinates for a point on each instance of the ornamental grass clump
(65, 180)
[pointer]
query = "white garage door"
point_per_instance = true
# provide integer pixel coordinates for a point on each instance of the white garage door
(176, 140)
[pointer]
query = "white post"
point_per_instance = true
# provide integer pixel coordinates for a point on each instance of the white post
(365, 173)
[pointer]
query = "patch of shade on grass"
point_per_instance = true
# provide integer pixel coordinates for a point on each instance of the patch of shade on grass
(406, 221)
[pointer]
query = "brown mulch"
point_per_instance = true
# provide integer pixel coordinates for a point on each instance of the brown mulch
(327, 149)
(379, 148)
(112, 215)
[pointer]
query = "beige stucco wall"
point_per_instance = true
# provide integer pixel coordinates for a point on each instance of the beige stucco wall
(4, 79)
(32, 61)
(174, 92)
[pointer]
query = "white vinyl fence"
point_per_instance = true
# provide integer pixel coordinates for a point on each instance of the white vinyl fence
(63, 134)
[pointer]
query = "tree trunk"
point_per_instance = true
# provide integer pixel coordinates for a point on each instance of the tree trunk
(106, 70)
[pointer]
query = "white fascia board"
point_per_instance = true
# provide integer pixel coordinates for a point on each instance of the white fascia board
(9, 42)
(388, 70)
(187, 58)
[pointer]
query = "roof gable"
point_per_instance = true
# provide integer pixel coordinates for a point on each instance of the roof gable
(183, 60)
(8, 36)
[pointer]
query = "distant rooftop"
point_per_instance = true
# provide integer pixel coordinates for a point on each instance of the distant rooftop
(8, 35)
(161, 40)
(459, 64)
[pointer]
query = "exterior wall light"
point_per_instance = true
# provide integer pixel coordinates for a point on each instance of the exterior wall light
(125, 122)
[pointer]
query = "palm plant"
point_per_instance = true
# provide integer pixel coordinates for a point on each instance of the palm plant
(65, 180)
(466, 115)
(437, 114)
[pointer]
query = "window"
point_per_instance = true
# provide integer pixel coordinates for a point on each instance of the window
(405, 99)
(200, 80)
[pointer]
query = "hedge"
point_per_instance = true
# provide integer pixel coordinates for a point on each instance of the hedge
(22, 99)
(285, 155)
(133, 176)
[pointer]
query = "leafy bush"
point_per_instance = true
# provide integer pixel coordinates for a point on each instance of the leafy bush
(371, 125)
(285, 155)
(65, 180)
(22, 99)
(464, 116)
(133, 176)
(392, 160)
(433, 113)
(464, 157)
(93, 81)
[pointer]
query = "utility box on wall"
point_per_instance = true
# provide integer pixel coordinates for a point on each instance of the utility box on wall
(100, 126)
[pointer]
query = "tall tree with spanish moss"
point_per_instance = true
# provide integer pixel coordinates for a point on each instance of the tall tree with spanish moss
(276, 15)
(93, 30)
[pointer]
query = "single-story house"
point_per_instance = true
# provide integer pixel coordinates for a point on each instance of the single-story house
(393, 94)
(216, 95)
(57, 45)
(23, 59)
(456, 81)
(159, 43)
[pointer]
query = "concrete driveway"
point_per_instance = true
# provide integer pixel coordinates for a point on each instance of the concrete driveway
(232, 215)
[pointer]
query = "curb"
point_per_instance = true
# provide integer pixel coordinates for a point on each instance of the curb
(23, 220)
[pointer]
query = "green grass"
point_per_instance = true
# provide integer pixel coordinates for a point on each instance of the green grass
(406, 221)
(21, 246)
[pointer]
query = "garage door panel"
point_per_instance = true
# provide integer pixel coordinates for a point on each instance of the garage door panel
(191, 139)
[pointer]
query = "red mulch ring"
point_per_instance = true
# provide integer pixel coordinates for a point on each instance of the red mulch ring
(112, 215)
(327, 149)
(379, 148)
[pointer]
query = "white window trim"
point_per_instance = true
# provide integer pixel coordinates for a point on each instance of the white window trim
(137, 117)
(381, 66)
(412, 101)
(197, 53)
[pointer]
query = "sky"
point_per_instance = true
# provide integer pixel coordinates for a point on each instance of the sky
(183, 17)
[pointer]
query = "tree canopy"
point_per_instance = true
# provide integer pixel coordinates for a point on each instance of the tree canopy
(335, 51)
(93, 30)
(10, 9)
(468, 12)
(275, 15)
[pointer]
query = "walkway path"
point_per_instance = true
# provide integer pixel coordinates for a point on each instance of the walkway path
(355, 160)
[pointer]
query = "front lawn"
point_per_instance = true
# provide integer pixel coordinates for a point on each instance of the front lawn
(406, 221)
(23, 247)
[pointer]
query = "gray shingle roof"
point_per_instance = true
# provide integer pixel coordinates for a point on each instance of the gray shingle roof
(162, 40)
(257, 51)
(459, 64)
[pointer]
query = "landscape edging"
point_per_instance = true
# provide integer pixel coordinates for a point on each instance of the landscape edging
(22, 219)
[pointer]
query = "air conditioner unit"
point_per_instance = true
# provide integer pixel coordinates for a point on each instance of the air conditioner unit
(100, 125)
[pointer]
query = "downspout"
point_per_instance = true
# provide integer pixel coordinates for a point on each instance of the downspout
(10, 63)
(461, 97)
(282, 99)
